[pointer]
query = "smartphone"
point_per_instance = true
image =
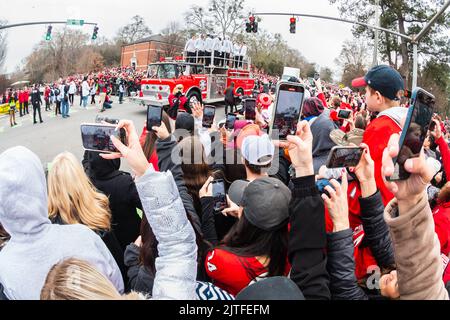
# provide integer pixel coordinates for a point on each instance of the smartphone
(417, 124)
(287, 110)
(229, 123)
(250, 108)
(432, 126)
(208, 116)
(218, 193)
(344, 114)
(96, 137)
(344, 157)
(154, 116)
(316, 76)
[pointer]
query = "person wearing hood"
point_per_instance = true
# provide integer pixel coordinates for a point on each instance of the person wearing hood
(35, 243)
(384, 88)
(321, 126)
(121, 190)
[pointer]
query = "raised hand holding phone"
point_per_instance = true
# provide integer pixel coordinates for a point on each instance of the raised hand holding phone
(337, 203)
(132, 152)
(408, 192)
(300, 149)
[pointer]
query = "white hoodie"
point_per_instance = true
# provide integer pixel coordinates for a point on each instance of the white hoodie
(36, 244)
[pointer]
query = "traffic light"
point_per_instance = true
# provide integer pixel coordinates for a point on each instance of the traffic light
(248, 27)
(48, 36)
(94, 35)
(251, 25)
(292, 26)
(255, 27)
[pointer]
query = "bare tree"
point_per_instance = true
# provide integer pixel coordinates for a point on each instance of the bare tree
(227, 16)
(353, 59)
(198, 20)
(174, 38)
(135, 30)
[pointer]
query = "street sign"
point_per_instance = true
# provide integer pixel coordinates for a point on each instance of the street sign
(73, 22)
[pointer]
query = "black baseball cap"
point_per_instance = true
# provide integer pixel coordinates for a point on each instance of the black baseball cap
(383, 79)
(273, 288)
(266, 203)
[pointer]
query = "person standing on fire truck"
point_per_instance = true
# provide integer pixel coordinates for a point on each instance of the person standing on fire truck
(227, 48)
(189, 48)
(200, 48)
(217, 47)
(208, 49)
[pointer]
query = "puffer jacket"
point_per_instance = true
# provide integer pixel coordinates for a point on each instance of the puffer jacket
(176, 265)
(341, 263)
(376, 231)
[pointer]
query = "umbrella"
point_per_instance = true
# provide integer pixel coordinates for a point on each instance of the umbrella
(20, 82)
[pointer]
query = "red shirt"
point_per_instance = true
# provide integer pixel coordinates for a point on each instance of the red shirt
(441, 217)
(229, 271)
(154, 156)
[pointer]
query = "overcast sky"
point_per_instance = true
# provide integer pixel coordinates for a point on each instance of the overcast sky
(319, 41)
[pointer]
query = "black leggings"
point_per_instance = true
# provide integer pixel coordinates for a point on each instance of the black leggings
(71, 96)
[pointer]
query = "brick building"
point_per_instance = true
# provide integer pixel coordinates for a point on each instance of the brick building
(148, 50)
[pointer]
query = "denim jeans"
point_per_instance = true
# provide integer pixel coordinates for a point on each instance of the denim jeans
(65, 108)
(85, 101)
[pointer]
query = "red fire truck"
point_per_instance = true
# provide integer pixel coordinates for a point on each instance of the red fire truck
(200, 82)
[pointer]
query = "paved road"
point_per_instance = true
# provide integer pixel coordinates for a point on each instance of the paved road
(56, 134)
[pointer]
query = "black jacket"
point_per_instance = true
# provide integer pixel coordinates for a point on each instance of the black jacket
(341, 263)
(341, 267)
(2, 295)
(36, 97)
(307, 240)
(140, 278)
(119, 187)
(376, 231)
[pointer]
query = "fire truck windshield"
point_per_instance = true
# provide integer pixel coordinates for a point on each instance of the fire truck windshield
(162, 71)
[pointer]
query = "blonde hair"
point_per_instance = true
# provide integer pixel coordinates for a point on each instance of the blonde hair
(75, 279)
(73, 198)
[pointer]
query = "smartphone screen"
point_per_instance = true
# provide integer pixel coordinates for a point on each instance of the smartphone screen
(96, 137)
(208, 116)
(249, 107)
(218, 193)
(417, 125)
(287, 109)
(316, 76)
(231, 119)
(154, 116)
(344, 114)
(344, 157)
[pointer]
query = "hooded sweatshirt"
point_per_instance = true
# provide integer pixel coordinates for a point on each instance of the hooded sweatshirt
(36, 245)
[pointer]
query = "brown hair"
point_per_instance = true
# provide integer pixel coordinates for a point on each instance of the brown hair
(150, 139)
(444, 194)
(255, 169)
(360, 122)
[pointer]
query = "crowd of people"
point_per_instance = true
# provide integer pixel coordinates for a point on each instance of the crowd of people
(60, 94)
(290, 227)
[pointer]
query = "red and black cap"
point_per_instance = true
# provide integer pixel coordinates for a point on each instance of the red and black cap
(383, 79)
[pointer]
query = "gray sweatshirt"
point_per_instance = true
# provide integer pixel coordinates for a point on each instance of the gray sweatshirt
(36, 245)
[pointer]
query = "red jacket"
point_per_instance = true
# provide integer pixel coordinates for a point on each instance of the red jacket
(441, 217)
(21, 97)
(445, 154)
(26, 95)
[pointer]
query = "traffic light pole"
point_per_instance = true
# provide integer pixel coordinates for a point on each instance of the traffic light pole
(40, 22)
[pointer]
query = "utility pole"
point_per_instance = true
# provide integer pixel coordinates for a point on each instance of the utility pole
(377, 23)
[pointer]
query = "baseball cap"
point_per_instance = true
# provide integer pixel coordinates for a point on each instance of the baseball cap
(266, 203)
(258, 150)
(236, 191)
(273, 288)
(384, 79)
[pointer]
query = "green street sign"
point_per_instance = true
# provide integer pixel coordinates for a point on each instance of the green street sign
(72, 22)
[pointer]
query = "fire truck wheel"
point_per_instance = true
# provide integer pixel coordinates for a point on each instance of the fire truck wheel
(193, 97)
